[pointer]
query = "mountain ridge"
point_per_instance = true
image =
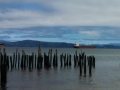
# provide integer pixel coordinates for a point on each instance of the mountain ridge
(35, 43)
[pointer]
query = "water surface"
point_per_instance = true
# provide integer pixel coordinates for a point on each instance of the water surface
(105, 76)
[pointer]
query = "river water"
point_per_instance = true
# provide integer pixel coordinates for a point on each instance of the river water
(105, 76)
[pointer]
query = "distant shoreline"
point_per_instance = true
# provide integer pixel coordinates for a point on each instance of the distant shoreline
(33, 43)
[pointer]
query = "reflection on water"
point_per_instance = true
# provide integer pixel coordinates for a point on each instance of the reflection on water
(3, 88)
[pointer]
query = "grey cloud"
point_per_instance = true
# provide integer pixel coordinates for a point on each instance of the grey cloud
(4, 37)
(67, 13)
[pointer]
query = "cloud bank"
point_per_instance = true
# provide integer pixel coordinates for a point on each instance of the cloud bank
(85, 21)
(29, 13)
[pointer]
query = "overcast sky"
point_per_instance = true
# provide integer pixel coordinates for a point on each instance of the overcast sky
(82, 21)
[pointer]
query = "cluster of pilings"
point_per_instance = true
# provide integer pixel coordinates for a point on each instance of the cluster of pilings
(65, 59)
(24, 61)
(81, 60)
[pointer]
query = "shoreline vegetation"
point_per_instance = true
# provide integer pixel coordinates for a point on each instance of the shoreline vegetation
(34, 43)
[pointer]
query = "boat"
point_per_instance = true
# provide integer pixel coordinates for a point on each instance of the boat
(1, 45)
(83, 46)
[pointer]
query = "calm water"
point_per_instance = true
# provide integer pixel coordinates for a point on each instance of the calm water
(105, 76)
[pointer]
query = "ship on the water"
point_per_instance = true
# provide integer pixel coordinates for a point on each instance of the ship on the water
(83, 46)
(1, 45)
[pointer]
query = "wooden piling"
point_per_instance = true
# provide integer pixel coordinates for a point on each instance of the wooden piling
(38, 63)
(22, 62)
(90, 66)
(93, 61)
(16, 57)
(3, 69)
(64, 60)
(27, 60)
(74, 60)
(67, 60)
(70, 60)
(85, 65)
(35, 60)
(50, 57)
(80, 66)
(7, 63)
(32, 59)
(13, 59)
(18, 60)
(56, 59)
(61, 63)
(3, 75)
(11, 63)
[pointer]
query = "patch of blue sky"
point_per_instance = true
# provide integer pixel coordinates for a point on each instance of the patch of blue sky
(29, 6)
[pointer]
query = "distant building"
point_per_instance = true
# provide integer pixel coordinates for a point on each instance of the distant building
(1, 45)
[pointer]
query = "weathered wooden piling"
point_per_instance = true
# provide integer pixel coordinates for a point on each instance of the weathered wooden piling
(46, 61)
(35, 60)
(3, 75)
(61, 61)
(39, 58)
(29, 62)
(50, 56)
(80, 66)
(7, 62)
(32, 59)
(24, 62)
(3, 70)
(37, 63)
(70, 60)
(22, 59)
(75, 62)
(85, 65)
(82, 57)
(88, 60)
(64, 60)
(13, 59)
(76, 57)
(56, 59)
(11, 62)
(18, 60)
(93, 61)
(16, 57)
(90, 66)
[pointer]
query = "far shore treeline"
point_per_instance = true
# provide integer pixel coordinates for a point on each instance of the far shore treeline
(33, 43)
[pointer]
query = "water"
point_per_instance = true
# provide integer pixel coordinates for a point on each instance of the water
(105, 76)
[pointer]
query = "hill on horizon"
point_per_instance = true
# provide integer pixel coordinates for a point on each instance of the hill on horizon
(33, 43)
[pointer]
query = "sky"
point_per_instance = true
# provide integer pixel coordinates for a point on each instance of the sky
(71, 21)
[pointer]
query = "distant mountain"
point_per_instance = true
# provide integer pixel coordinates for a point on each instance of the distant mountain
(32, 43)
(114, 46)
(2, 41)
